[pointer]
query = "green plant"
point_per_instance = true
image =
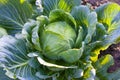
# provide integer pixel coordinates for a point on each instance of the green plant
(63, 43)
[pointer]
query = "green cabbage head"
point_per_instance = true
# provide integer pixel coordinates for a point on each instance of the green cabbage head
(56, 36)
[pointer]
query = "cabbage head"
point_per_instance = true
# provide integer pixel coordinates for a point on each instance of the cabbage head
(57, 36)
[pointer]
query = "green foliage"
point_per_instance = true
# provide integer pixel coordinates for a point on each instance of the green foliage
(107, 13)
(18, 64)
(13, 14)
(61, 44)
(65, 5)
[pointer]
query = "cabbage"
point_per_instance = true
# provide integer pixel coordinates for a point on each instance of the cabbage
(61, 43)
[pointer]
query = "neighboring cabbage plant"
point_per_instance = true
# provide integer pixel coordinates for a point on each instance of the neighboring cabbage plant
(63, 43)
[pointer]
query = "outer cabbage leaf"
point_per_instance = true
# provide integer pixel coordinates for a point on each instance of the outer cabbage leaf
(92, 21)
(100, 32)
(117, 18)
(27, 29)
(78, 42)
(76, 73)
(2, 33)
(42, 76)
(113, 37)
(32, 30)
(106, 14)
(80, 13)
(87, 20)
(71, 55)
(53, 66)
(65, 5)
(15, 60)
(13, 14)
(101, 65)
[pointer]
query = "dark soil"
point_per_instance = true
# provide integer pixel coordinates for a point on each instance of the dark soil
(96, 3)
(100, 2)
(114, 50)
(117, 1)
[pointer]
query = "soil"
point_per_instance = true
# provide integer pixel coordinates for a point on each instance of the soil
(114, 50)
(117, 1)
(96, 3)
